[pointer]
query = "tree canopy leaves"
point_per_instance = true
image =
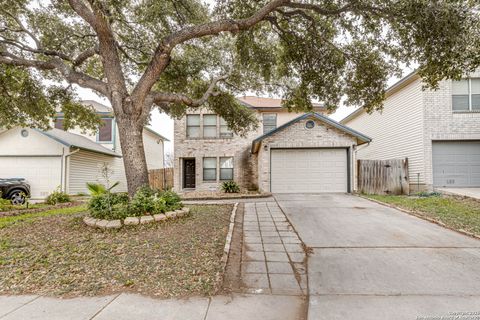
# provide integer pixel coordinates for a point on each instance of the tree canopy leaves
(171, 52)
(26, 102)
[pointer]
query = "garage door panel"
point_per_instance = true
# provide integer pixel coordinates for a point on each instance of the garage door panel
(308, 170)
(456, 163)
(43, 173)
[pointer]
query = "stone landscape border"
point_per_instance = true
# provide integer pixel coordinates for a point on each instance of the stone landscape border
(131, 221)
(228, 244)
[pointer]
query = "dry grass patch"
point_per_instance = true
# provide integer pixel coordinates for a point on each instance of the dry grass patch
(60, 256)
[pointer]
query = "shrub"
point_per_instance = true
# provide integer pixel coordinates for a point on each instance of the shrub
(159, 205)
(143, 202)
(230, 187)
(57, 196)
(109, 206)
(172, 200)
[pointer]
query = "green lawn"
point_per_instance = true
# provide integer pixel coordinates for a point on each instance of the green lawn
(454, 212)
(9, 220)
(5, 206)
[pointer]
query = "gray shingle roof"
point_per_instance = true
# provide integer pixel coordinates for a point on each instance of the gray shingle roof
(74, 140)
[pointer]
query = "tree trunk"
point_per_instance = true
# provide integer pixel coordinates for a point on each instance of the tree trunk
(135, 163)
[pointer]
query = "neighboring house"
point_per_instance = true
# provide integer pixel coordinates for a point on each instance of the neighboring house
(68, 160)
(290, 152)
(438, 131)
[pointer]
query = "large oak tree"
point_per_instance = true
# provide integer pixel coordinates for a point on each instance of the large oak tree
(181, 54)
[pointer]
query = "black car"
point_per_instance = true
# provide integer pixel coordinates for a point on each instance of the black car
(15, 189)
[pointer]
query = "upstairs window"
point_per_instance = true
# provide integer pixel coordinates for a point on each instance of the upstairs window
(466, 95)
(225, 131)
(269, 122)
(105, 132)
(193, 126)
(59, 123)
(210, 126)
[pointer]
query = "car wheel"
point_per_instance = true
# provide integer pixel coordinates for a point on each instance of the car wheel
(17, 197)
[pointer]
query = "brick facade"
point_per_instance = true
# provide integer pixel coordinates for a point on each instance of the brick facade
(251, 171)
(442, 124)
(244, 168)
(298, 136)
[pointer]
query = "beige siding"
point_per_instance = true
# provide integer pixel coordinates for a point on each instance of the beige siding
(35, 144)
(87, 166)
(153, 150)
(397, 131)
(36, 158)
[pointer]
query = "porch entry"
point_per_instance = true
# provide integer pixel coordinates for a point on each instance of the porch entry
(189, 173)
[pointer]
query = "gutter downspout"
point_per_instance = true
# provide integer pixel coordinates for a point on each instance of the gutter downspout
(65, 157)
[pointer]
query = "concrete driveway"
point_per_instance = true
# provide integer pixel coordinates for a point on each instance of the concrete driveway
(373, 262)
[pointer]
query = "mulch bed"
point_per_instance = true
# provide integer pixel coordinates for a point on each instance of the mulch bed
(38, 209)
(61, 256)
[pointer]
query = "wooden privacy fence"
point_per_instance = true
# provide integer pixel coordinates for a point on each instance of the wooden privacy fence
(161, 178)
(383, 176)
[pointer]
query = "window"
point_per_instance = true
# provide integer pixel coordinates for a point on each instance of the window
(466, 95)
(193, 126)
(105, 132)
(210, 126)
(225, 131)
(475, 89)
(59, 123)
(226, 168)
(269, 122)
(209, 169)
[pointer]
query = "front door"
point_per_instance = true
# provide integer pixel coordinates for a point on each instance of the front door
(189, 173)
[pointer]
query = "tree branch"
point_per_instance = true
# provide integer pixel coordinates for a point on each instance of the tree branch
(95, 17)
(162, 98)
(68, 73)
(24, 29)
(162, 53)
(83, 56)
(24, 47)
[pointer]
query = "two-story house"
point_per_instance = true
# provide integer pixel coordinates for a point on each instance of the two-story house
(289, 152)
(69, 159)
(437, 130)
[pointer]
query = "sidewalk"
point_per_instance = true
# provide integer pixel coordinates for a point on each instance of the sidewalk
(133, 307)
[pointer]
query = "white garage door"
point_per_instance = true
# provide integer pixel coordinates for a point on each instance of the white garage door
(309, 170)
(43, 173)
(456, 164)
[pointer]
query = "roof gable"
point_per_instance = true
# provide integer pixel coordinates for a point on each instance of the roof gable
(361, 137)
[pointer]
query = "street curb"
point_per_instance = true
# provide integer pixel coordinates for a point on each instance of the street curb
(228, 242)
(413, 213)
